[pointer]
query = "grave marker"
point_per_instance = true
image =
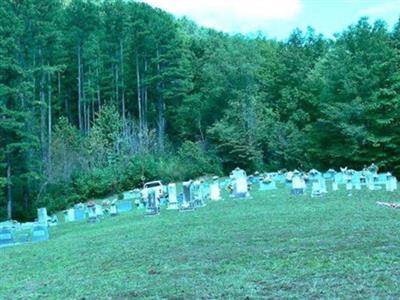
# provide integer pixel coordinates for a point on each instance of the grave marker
(6, 236)
(215, 192)
(42, 215)
(172, 197)
(187, 203)
(124, 206)
(196, 194)
(40, 233)
(267, 184)
(152, 205)
(79, 212)
(316, 189)
(92, 216)
(298, 184)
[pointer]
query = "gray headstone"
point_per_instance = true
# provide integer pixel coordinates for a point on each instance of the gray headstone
(124, 205)
(40, 233)
(152, 207)
(79, 214)
(6, 237)
(42, 215)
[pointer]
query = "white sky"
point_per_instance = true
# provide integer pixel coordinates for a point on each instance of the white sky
(231, 15)
(277, 18)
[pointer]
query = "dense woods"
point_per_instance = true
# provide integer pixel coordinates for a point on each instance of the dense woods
(97, 97)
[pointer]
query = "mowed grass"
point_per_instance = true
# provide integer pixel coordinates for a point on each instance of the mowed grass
(272, 246)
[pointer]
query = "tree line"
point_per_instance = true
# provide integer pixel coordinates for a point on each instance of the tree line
(100, 96)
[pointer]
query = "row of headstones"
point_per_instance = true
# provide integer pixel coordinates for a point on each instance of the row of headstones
(93, 212)
(194, 195)
(21, 233)
(356, 180)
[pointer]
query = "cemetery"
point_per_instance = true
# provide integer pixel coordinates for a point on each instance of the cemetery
(286, 226)
(169, 149)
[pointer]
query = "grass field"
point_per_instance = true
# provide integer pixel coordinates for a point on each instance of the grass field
(273, 246)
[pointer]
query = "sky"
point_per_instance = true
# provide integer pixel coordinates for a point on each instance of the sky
(277, 18)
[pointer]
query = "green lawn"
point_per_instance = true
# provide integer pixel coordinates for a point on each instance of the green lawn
(273, 246)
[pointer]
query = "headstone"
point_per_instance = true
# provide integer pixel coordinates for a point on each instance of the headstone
(53, 220)
(124, 206)
(79, 212)
(42, 215)
(335, 186)
(316, 189)
(92, 216)
(152, 205)
(322, 184)
(349, 186)
(172, 197)
(40, 233)
(113, 209)
(6, 236)
(99, 211)
(65, 214)
(339, 178)
(71, 215)
(187, 203)
(23, 238)
(382, 178)
(204, 191)
(267, 184)
(239, 184)
(391, 183)
(298, 184)
(215, 192)
(198, 200)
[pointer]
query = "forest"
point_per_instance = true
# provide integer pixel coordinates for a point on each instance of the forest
(97, 97)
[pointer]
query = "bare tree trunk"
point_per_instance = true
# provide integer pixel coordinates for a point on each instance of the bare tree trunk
(49, 117)
(9, 191)
(161, 108)
(98, 85)
(84, 117)
(90, 96)
(145, 123)
(116, 85)
(79, 87)
(121, 49)
(138, 94)
(42, 115)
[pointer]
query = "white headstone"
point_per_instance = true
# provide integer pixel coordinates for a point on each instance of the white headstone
(42, 215)
(215, 191)
(99, 210)
(172, 197)
(335, 186)
(241, 185)
(71, 215)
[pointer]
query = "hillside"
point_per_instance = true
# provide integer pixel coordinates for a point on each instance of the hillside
(275, 245)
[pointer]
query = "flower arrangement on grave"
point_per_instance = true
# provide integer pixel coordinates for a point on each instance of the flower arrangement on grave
(267, 180)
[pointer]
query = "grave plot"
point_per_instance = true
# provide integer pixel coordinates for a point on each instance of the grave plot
(124, 206)
(172, 197)
(267, 183)
(40, 233)
(215, 191)
(298, 183)
(152, 204)
(6, 237)
(196, 192)
(188, 199)
(79, 212)
(239, 184)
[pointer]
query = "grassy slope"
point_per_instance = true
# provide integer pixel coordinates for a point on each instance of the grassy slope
(272, 246)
